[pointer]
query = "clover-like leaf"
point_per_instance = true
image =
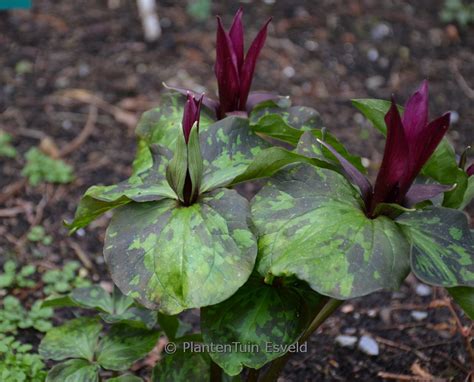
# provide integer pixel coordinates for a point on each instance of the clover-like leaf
(183, 366)
(123, 345)
(442, 246)
(174, 256)
(311, 224)
(75, 339)
(74, 370)
(258, 324)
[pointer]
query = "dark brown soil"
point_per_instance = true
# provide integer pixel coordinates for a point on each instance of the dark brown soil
(321, 53)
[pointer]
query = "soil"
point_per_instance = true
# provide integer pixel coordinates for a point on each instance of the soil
(62, 60)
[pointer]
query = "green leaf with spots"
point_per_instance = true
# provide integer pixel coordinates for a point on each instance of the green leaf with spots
(173, 256)
(183, 366)
(311, 224)
(266, 320)
(146, 186)
(123, 345)
(75, 339)
(442, 246)
(284, 123)
(228, 148)
(289, 124)
(442, 166)
(162, 125)
(126, 378)
(93, 297)
(464, 296)
(74, 370)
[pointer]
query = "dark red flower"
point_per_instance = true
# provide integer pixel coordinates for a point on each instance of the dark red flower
(234, 70)
(470, 170)
(411, 140)
(191, 114)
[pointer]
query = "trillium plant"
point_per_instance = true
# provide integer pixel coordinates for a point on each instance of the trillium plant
(265, 270)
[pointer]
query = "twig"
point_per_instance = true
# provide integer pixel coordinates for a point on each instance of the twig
(81, 255)
(402, 347)
(461, 80)
(405, 377)
(11, 190)
(83, 135)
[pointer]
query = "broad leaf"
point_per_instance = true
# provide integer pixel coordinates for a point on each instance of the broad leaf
(169, 324)
(75, 339)
(289, 124)
(464, 296)
(311, 224)
(228, 147)
(469, 194)
(183, 366)
(93, 297)
(74, 370)
(442, 246)
(442, 166)
(173, 256)
(162, 124)
(123, 345)
(146, 186)
(264, 321)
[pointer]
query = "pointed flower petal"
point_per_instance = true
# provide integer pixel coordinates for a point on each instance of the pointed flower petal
(236, 34)
(227, 73)
(192, 110)
(470, 170)
(394, 163)
(255, 98)
(208, 102)
(352, 172)
(421, 192)
(250, 63)
(415, 116)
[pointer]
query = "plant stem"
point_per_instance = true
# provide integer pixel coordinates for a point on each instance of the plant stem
(216, 372)
(252, 375)
(278, 365)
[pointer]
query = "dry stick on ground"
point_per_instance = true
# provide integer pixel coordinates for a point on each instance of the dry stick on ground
(461, 80)
(81, 255)
(83, 135)
(411, 378)
(402, 347)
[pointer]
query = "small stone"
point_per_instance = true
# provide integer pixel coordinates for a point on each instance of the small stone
(311, 45)
(373, 54)
(350, 331)
(346, 341)
(423, 290)
(347, 308)
(81, 232)
(454, 118)
(289, 71)
(368, 345)
(374, 82)
(380, 31)
(419, 316)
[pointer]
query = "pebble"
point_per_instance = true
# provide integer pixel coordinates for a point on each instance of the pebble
(454, 117)
(380, 31)
(289, 71)
(374, 82)
(419, 316)
(373, 54)
(368, 345)
(346, 341)
(423, 290)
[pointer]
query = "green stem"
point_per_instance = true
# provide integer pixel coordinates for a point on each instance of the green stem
(278, 365)
(216, 372)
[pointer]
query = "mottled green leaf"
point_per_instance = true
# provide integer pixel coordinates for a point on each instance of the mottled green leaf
(228, 148)
(146, 186)
(123, 345)
(174, 256)
(289, 124)
(311, 224)
(469, 194)
(74, 370)
(464, 296)
(264, 320)
(75, 339)
(183, 366)
(442, 246)
(162, 124)
(442, 166)
(169, 324)
(93, 297)
(126, 378)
